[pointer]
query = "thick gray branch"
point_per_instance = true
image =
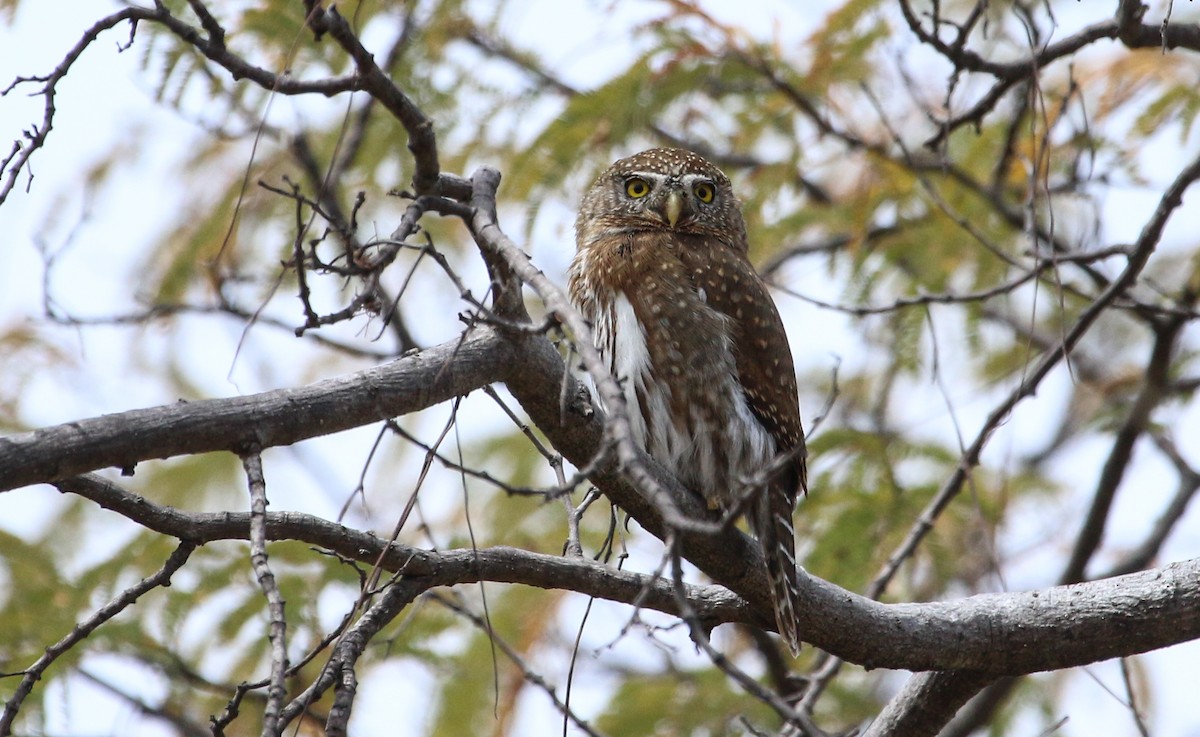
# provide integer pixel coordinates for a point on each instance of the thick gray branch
(280, 417)
(926, 703)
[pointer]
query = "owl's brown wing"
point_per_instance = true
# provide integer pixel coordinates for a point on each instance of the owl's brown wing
(726, 281)
(764, 359)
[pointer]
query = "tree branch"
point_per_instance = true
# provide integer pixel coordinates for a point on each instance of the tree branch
(714, 604)
(927, 701)
(1153, 391)
(281, 417)
(277, 626)
(996, 634)
(422, 141)
(921, 700)
(34, 673)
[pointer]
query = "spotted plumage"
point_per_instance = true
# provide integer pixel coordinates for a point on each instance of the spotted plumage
(692, 334)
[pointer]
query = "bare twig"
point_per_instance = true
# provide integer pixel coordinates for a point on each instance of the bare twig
(422, 141)
(1115, 465)
(527, 671)
(339, 672)
(1131, 699)
(211, 47)
(1126, 27)
(277, 629)
(700, 636)
(1189, 484)
(244, 689)
(33, 673)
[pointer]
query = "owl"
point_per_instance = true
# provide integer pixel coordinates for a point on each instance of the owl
(692, 335)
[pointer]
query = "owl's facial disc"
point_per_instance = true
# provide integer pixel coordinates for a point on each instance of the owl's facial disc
(672, 199)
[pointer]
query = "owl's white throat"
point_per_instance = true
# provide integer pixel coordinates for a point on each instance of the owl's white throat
(630, 359)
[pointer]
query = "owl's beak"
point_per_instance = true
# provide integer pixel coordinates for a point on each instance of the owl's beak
(674, 207)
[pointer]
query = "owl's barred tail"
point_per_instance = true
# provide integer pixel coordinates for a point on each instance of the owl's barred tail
(773, 526)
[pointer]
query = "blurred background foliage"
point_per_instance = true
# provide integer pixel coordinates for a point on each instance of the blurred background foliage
(901, 250)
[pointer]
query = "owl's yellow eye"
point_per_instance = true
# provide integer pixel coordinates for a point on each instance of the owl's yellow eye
(636, 187)
(704, 192)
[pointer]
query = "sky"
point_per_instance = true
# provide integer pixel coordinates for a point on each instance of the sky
(106, 103)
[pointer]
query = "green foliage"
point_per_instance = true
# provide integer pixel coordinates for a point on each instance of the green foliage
(843, 47)
(522, 617)
(27, 578)
(590, 121)
(676, 704)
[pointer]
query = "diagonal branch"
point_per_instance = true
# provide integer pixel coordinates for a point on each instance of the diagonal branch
(127, 597)
(926, 703)
(1140, 254)
(919, 697)
(339, 672)
(1153, 391)
(422, 141)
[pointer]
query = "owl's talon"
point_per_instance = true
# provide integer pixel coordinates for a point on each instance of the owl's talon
(581, 403)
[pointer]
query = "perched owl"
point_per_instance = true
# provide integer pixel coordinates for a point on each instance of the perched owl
(689, 330)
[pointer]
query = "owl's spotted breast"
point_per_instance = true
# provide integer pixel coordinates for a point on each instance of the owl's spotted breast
(761, 351)
(675, 358)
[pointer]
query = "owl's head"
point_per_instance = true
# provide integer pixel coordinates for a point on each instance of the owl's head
(661, 189)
